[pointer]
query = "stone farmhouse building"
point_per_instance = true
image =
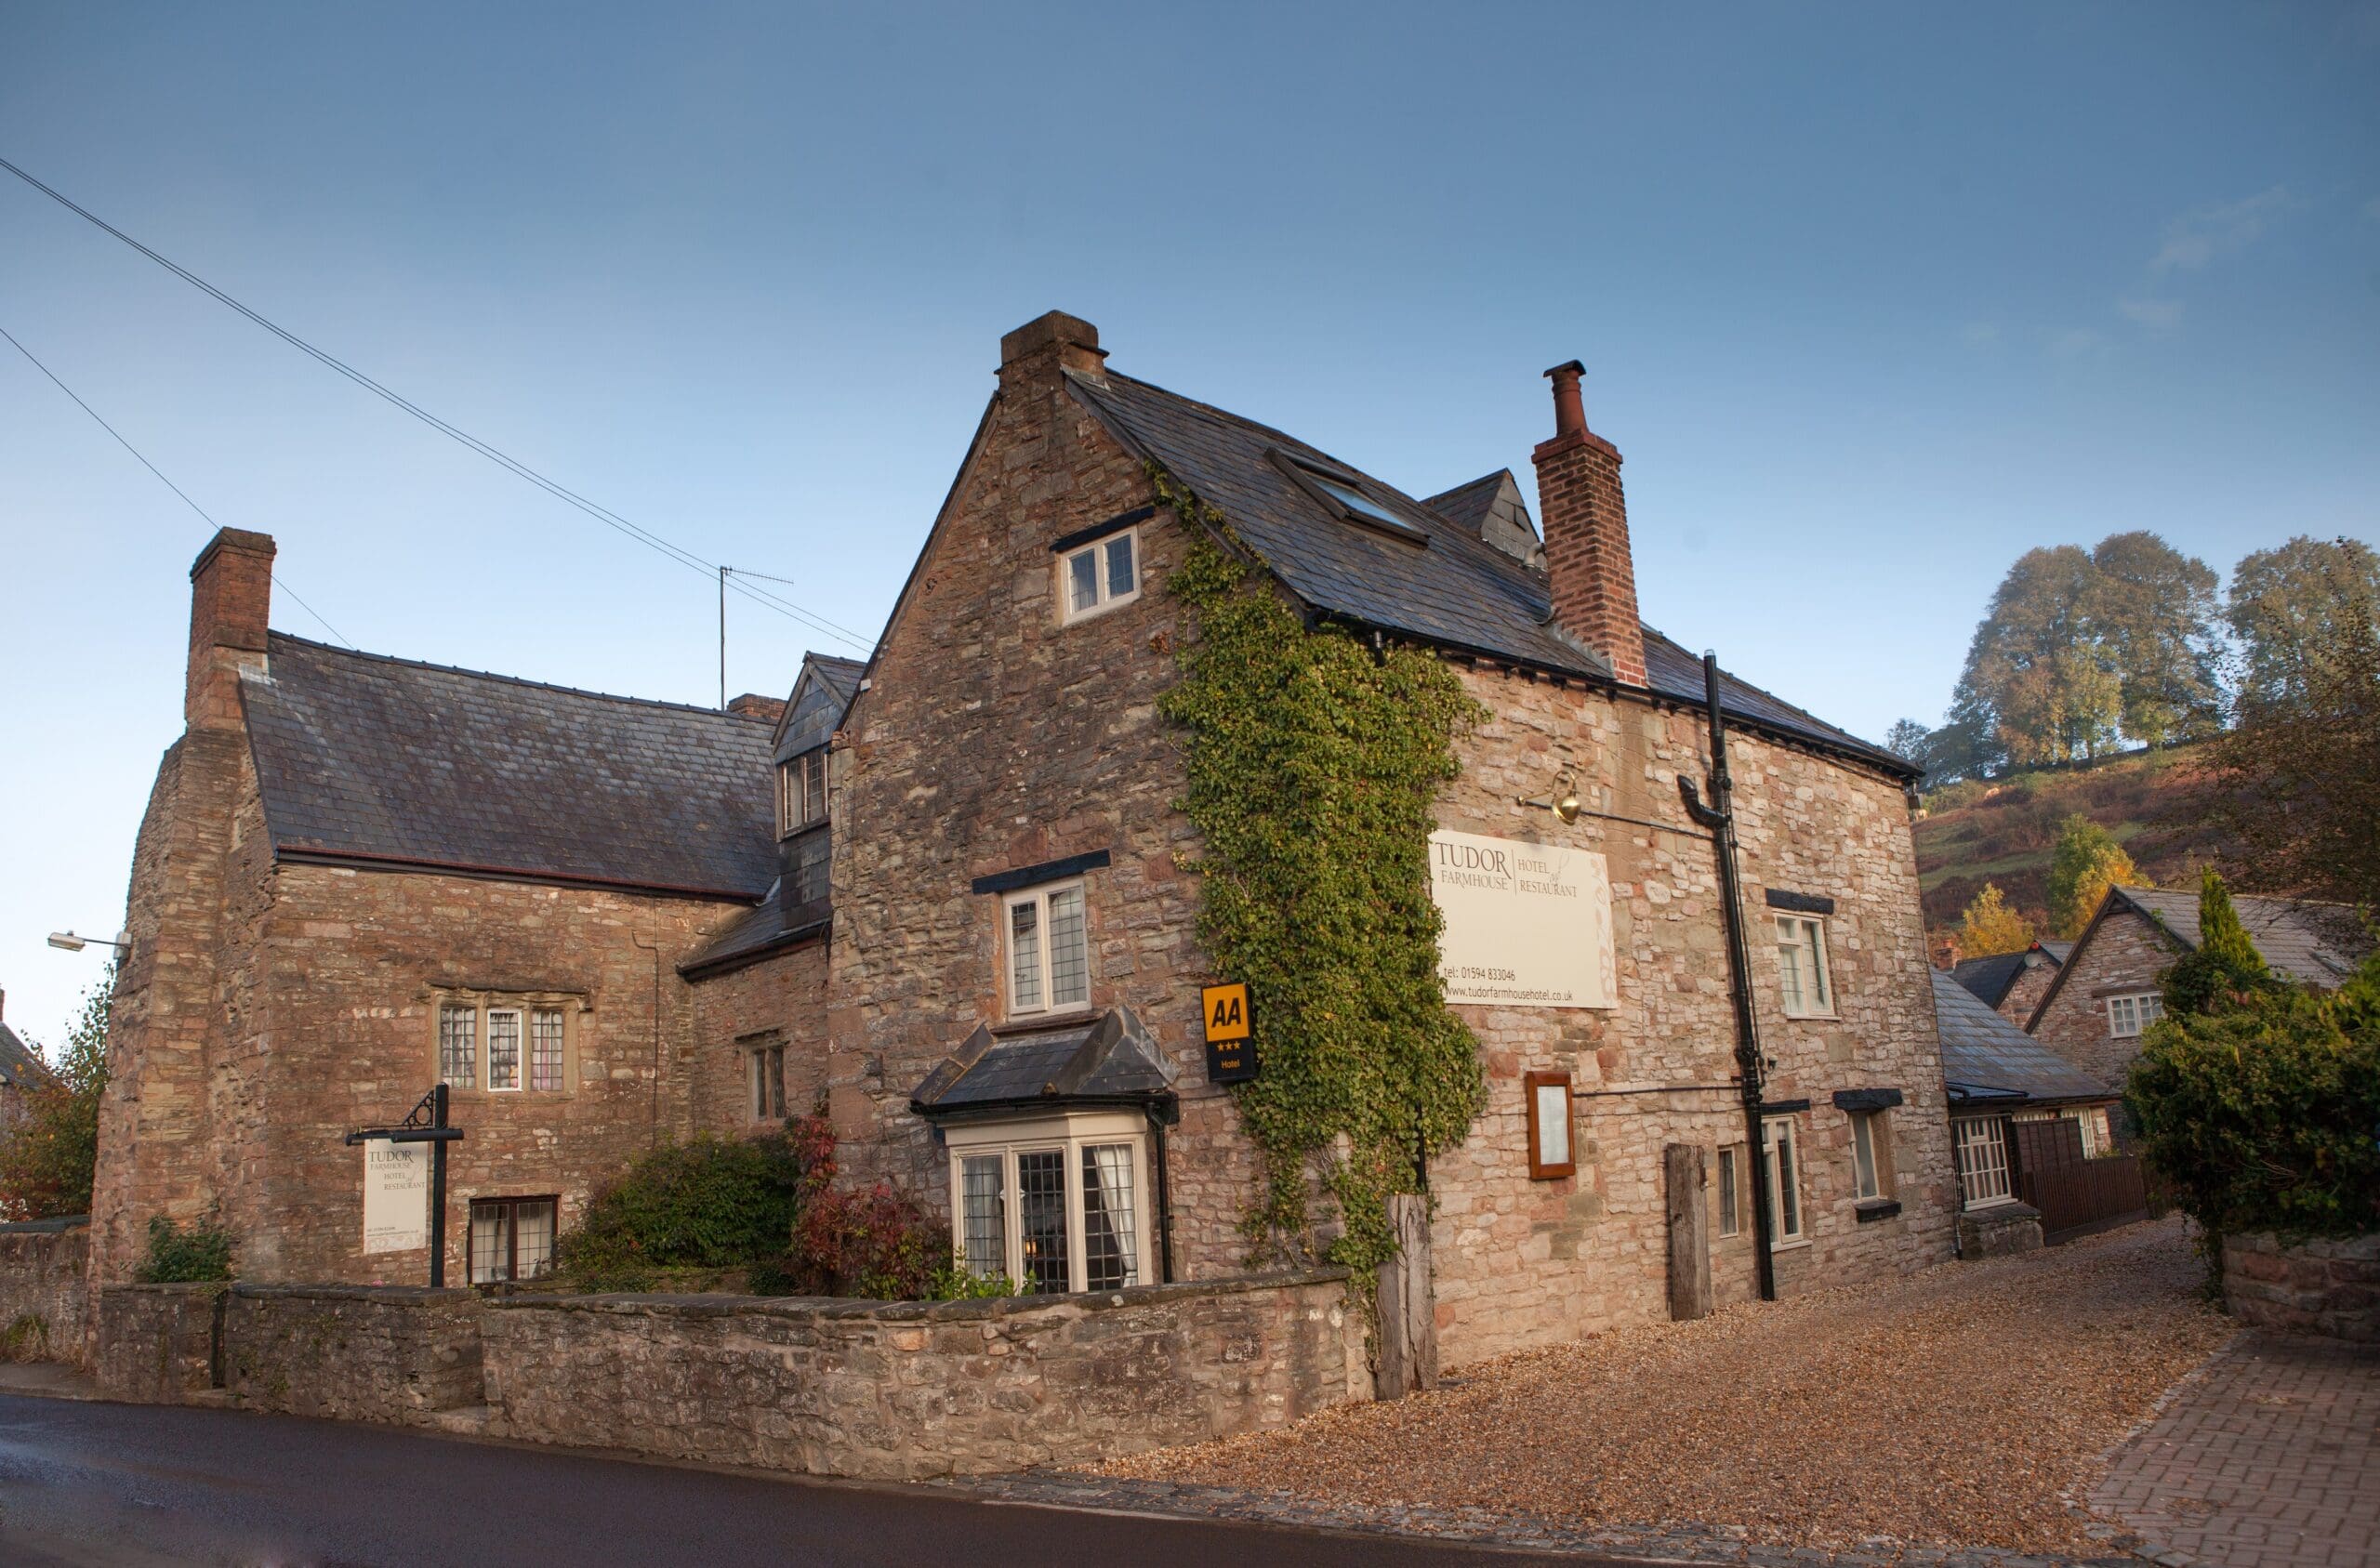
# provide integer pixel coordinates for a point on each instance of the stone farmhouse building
(947, 893)
(2106, 993)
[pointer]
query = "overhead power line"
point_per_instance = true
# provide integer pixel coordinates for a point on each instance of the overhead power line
(603, 514)
(159, 472)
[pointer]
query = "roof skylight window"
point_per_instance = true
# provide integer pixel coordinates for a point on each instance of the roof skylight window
(1341, 495)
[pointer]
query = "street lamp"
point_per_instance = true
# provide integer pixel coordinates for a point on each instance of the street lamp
(72, 943)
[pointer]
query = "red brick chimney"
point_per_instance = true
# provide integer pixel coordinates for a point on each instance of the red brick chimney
(231, 595)
(1585, 518)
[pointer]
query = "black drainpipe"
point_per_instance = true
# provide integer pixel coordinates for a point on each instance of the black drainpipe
(1720, 817)
(1159, 1116)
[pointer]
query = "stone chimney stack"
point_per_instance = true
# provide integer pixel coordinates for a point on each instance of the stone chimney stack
(231, 596)
(1585, 520)
(1035, 352)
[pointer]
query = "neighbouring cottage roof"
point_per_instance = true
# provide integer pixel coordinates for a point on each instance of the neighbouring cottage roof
(1110, 1061)
(1990, 978)
(368, 760)
(1987, 1057)
(19, 1067)
(2318, 944)
(1458, 592)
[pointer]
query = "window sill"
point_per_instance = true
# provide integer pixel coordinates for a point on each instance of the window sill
(1794, 1246)
(1813, 1018)
(1872, 1209)
(1096, 610)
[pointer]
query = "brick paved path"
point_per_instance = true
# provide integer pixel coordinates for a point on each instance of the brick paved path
(2269, 1459)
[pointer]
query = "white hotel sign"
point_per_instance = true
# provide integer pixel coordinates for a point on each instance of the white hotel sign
(396, 1195)
(1527, 924)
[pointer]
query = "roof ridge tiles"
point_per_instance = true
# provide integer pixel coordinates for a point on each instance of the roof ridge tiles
(400, 660)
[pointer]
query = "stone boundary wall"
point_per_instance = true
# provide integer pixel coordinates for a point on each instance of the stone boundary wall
(882, 1391)
(2327, 1287)
(906, 1390)
(353, 1352)
(156, 1343)
(42, 1301)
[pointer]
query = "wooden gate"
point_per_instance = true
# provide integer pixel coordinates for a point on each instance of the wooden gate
(2073, 1194)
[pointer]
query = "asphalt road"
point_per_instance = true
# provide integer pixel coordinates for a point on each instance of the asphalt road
(90, 1483)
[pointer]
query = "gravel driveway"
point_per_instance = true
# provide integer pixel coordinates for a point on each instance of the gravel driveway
(1957, 1406)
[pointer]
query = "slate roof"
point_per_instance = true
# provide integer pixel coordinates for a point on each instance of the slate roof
(1458, 592)
(2319, 944)
(364, 758)
(1109, 1060)
(755, 932)
(1987, 1057)
(822, 694)
(1990, 977)
(19, 1067)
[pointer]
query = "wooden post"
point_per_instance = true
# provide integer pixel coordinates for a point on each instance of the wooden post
(1689, 1245)
(1408, 1308)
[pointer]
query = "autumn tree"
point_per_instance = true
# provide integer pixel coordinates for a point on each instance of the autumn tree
(2295, 785)
(47, 1158)
(2291, 599)
(1989, 925)
(2152, 615)
(2086, 862)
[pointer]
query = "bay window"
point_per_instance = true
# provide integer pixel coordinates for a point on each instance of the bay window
(1055, 1203)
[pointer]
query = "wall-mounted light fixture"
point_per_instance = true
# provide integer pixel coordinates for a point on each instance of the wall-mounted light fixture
(72, 943)
(1564, 801)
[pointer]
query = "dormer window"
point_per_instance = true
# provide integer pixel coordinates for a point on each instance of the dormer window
(802, 792)
(1100, 576)
(1343, 495)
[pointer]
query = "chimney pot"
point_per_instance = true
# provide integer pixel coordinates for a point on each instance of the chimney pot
(1570, 404)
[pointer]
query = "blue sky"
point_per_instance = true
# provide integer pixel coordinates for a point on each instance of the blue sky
(1873, 299)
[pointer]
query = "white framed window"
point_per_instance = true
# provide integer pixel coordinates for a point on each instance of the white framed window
(1780, 1159)
(1049, 950)
(1808, 988)
(1731, 1187)
(2098, 1138)
(503, 1046)
(802, 792)
(2128, 1016)
(1099, 576)
(511, 1239)
(1982, 1145)
(1056, 1204)
(1872, 1154)
(764, 1073)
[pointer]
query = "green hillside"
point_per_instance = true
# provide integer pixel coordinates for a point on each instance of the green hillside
(2002, 830)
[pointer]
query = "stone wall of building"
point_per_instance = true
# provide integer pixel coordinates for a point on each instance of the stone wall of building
(42, 1301)
(352, 1354)
(2122, 956)
(355, 967)
(1521, 1262)
(995, 738)
(922, 1389)
(2327, 1288)
(155, 1344)
(781, 1000)
(2025, 992)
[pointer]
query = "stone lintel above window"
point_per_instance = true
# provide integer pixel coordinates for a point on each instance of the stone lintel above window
(1800, 904)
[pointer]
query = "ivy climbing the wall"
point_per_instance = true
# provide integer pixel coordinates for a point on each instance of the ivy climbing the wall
(1315, 762)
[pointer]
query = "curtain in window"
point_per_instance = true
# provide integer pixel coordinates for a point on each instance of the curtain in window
(1108, 1251)
(1025, 954)
(1083, 581)
(1069, 952)
(503, 1050)
(458, 1046)
(545, 1049)
(983, 1213)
